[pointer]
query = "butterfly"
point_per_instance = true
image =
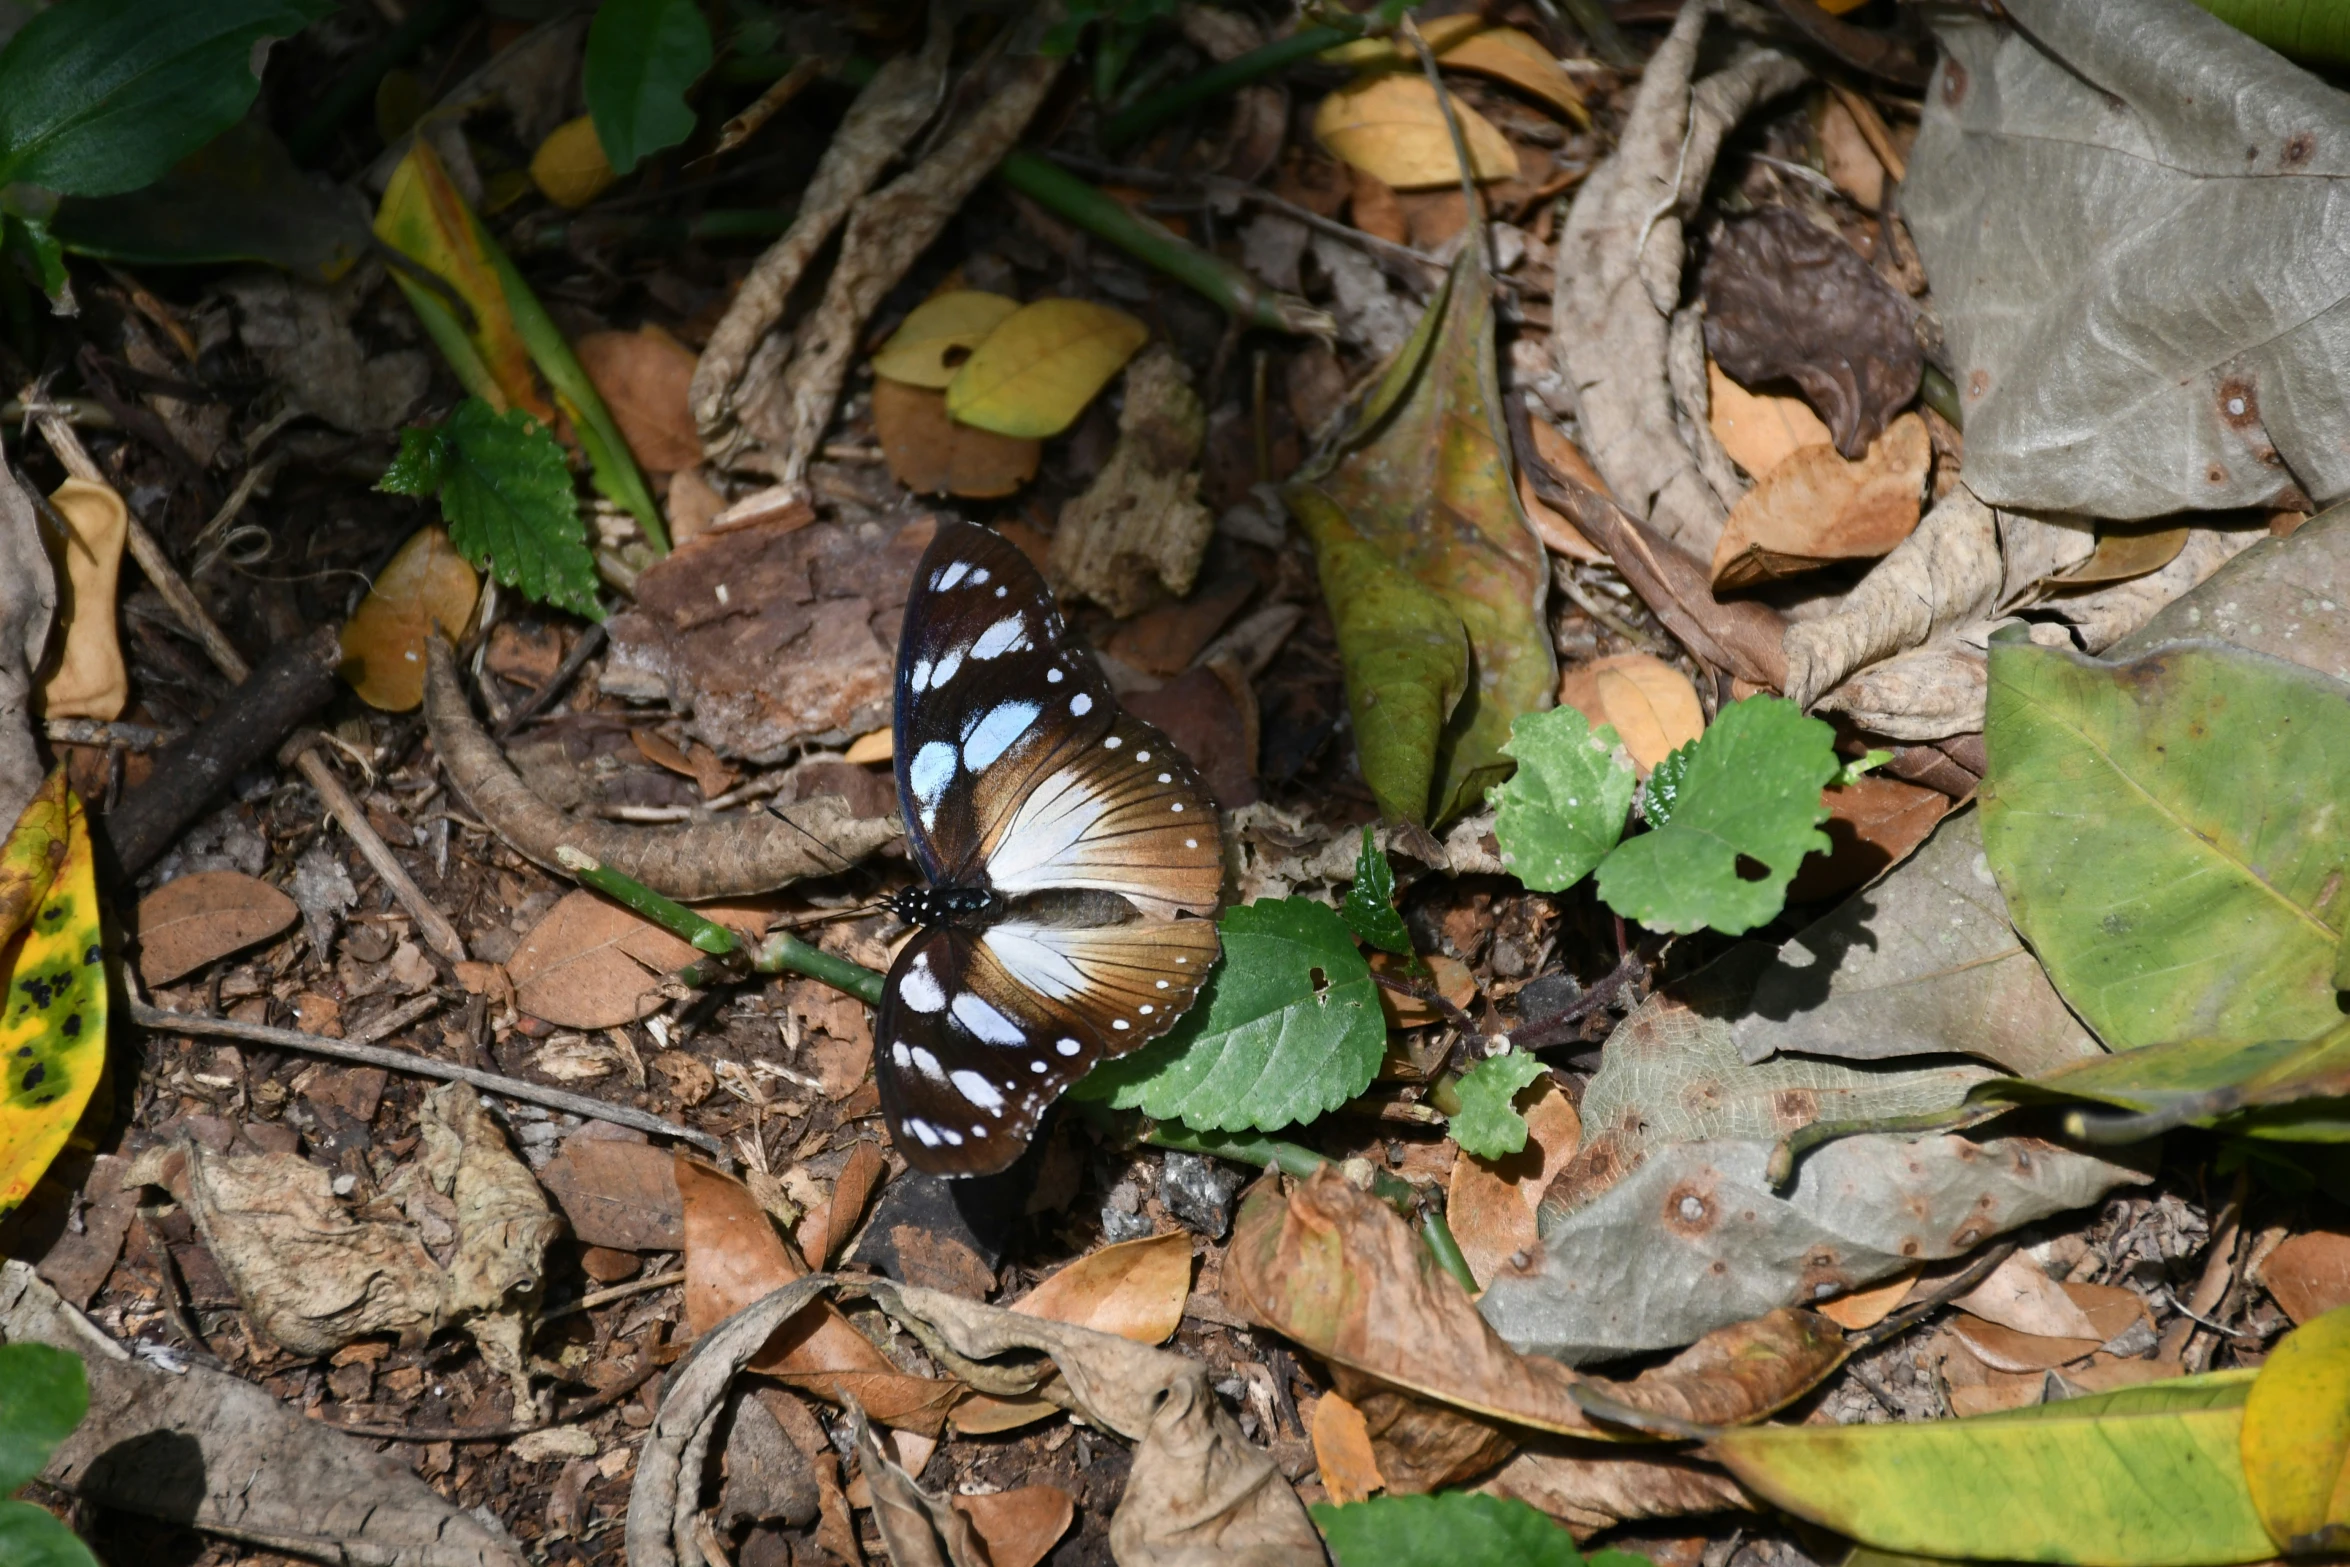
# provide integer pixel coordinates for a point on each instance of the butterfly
(1070, 861)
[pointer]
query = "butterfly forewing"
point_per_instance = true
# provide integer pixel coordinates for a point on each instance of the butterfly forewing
(1125, 814)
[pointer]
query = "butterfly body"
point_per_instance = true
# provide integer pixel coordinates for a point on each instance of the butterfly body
(1070, 856)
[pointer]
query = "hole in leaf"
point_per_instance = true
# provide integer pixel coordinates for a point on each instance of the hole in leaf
(954, 356)
(1752, 869)
(1320, 979)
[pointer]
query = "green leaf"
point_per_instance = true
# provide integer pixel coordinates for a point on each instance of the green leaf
(2146, 1477)
(1745, 816)
(1427, 558)
(642, 55)
(30, 1537)
(1565, 808)
(2313, 32)
(43, 1395)
(1448, 1529)
(1664, 784)
(103, 96)
(2173, 836)
(1369, 909)
(30, 238)
(506, 495)
(1852, 772)
(1489, 1125)
(1290, 1028)
(2284, 1090)
(417, 467)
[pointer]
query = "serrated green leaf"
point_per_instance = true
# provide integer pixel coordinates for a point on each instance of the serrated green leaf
(642, 55)
(30, 1537)
(103, 96)
(43, 1395)
(1489, 1125)
(417, 467)
(1369, 909)
(1751, 798)
(1565, 807)
(507, 497)
(1447, 1529)
(1290, 1028)
(1664, 784)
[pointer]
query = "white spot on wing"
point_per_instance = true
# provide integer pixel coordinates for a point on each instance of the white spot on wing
(924, 1131)
(985, 1022)
(920, 679)
(1119, 1024)
(1038, 1066)
(927, 1065)
(900, 1055)
(994, 734)
(920, 990)
(1112, 743)
(1081, 704)
(944, 670)
(928, 775)
(953, 1137)
(1068, 1047)
(951, 575)
(1052, 677)
(976, 1088)
(979, 576)
(1007, 635)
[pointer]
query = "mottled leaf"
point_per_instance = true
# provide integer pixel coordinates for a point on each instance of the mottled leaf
(53, 1007)
(938, 335)
(1034, 373)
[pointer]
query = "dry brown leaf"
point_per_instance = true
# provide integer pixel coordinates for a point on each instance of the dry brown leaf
(88, 679)
(2020, 1295)
(2103, 1373)
(643, 377)
(426, 584)
(1134, 1289)
(1337, 1270)
(1651, 705)
(1979, 1389)
(1342, 1451)
(1491, 1203)
(1873, 822)
(1589, 1488)
(187, 922)
(1759, 430)
(2124, 552)
(2105, 1312)
(497, 1275)
(917, 1528)
(1509, 55)
(1019, 1527)
(1816, 508)
(931, 454)
(829, 1227)
(1847, 157)
(2308, 1274)
(1450, 978)
(589, 963)
(693, 760)
(617, 1193)
(1373, 206)
(733, 1257)
(1389, 125)
(1866, 1308)
(1557, 532)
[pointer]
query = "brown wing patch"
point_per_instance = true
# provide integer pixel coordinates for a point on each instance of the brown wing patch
(1126, 814)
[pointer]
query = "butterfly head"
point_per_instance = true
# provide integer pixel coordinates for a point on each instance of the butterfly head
(963, 906)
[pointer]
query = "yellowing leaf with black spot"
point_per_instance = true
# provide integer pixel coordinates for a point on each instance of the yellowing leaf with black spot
(940, 335)
(1390, 126)
(53, 1010)
(426, 584)
(1034, 374)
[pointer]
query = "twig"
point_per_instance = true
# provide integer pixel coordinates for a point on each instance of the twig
(1566, 1024)
(591, 641)
(92, 731)
(431, 923)
(605, 1297)
(1957, 1284)
(165, 1020)
(1873, 130)
(579, 1411)
(398, 1018)
(1563, 577)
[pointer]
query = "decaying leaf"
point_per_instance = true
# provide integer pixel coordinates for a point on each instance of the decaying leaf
(53, 990)
(1923, 963)
(1816, 508)
(1389, 125)
(617, 1191)
(191, 920)
(1419, 536)
(2270, 598)
(1508, 55)
(1786, 297)
(920, 1530)
(1759, 430)
(1134, 1289)
(1590, 1487)
(931, 454)
(2098, 380)
(589, 963)
(643, 376)
(427, 584)
(2166, 832)
(1139, 529)
(938, 336)
(1337, 1270)
(1033, 375)
(498, 1272)
(1342, 1451)
(1491, 1204)
(2308, 1274)
(1650, 705)
(87, 679)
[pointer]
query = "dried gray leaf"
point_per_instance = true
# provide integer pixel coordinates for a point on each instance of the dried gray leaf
(1927, 693)
(2283, 597)
(1922, 962)
(919, 1529)
(504, 1227)
(28, 601)
(1696, 1239)
(1368, 308)
(2111, 365)
(1139, 529)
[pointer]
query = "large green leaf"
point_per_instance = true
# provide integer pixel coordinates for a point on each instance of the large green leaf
(1489, 1124)
(1434, 576)
(1564, 808)
(1290, 1028)
(642, 55)
(2173, 836)
(29, 1537)
(2285, 1090)
(103, 96)
(43, 1396)
(2147, 1477)
(1450, 1529)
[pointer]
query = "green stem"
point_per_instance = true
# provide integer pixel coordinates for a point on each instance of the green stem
(1938, 392)
(1436, 1235)
(1238, 71)
(1268, 1153)
(1249, 302)
(779, 953)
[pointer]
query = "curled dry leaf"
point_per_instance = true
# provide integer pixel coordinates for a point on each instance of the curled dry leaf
(1786, 297)
(1589, 1488)
(1759, 430)
(643, 376)
(570, 168)
(426, 585)
(1558, 532)
(191, 920)
(1389, 125)
(1816, 508)
(1337, 1270)
(1652, 706)
(2124, 552)
(1019, 1527)
(1508, 55)
(498, 1272)
(931, 454)
(1134, 1289)
(1033, 375)
(918, 1529)
(1491, 1203)
(1865, 1308)
(1139, 530)
(2308, 1274)
(939, 334)
(88, 679)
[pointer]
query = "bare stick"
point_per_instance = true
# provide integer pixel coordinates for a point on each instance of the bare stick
(167, 1021)
(431, 923)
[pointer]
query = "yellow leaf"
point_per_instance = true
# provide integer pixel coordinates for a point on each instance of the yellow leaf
(424, 217)
(1343, 1455)
(427, 583)
(1508, 55)
(1034, 374)
(1390, 126)
(940, 335)
(53, 1021)
(89, 680)
(2296, 1444)
(879, 746)
(570, 165)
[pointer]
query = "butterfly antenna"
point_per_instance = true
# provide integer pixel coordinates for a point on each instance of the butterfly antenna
(784, 816)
